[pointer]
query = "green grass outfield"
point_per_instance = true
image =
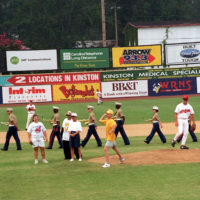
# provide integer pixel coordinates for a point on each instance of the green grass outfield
(134, 110)
(62, 180)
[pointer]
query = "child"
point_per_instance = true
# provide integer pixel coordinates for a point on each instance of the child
(156, 126)
(110, 137)
(36, 134)
(74, 129)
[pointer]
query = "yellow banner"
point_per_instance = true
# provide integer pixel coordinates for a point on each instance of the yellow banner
(70, 92)
(137, 56)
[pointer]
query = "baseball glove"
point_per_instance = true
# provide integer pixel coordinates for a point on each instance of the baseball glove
(193, 127)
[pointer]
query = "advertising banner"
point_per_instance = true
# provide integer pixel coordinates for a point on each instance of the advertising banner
(198, 85)
(120, 89)
(149, 74)
(46, 79)
(65, 92)
(175, 86)
(84, 58)
(137, 56)
(182, 54)
(22, 94)
(31, 60)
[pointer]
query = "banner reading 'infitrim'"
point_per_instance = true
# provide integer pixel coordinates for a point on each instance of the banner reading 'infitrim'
(137, 56)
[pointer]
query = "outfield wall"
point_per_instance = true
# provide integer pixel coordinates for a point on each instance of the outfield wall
(57, 87)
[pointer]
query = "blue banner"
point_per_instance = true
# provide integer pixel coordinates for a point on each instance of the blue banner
(172, 86)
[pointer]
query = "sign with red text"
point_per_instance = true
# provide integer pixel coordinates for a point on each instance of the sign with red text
(75, 91)
(120, 89)
(54, 78)
(22, 94)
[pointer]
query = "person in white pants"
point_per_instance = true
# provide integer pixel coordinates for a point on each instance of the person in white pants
(99, 97)
(182, 113)
(31, 111)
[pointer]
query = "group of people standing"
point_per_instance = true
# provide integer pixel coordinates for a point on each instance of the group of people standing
(69, 134)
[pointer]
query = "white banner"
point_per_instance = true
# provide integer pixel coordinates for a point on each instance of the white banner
(198, 85)
(22, 94)
(182, 54)
(124, 89)
(31, 60)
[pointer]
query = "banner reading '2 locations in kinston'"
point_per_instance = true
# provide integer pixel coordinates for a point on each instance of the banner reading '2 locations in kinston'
(45, 79)
(31, 60)
(84, 58)
(120, 89)
(137, 56)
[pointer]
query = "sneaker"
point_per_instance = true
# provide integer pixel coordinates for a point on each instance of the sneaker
(71, 160)
(45, 161)
(184, 147)
(36, 162)
(146, 142)
(4, 149)
(80, 159)
(106, 165)
(173, 143)
(122, 160)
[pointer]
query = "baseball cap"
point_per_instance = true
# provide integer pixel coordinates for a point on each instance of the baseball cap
(185, 97)
(109, 111)
(74, 115)
(90, 107)
(9, 109)
(55, 107)
(30, 100)
(68, 113)
(155, 107)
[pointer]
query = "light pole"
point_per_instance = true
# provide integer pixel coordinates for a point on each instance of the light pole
(103, 23)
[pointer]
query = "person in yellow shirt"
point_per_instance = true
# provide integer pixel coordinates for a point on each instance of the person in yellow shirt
(110, 137)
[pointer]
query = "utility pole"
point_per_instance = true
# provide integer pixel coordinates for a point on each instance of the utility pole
(116, 28)
(103, 23)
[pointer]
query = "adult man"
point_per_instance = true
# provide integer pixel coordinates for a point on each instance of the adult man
(120, 119)
(65, 137)
(31, 111)
(92, 124)
(12, 130)
(183, 112)
(56, 128)
(99, 97)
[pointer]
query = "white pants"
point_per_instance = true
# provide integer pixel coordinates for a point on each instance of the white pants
(182, 128)
(38, 142)
(99, 100)
(29, 118)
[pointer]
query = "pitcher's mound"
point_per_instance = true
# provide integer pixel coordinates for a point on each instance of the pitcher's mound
(166, 156)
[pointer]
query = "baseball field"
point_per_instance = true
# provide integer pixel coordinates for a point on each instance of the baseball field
(176, 178)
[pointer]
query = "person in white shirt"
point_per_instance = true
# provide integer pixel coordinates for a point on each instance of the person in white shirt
(183, 112)
(75, 129)
(99, 97)
(36, 134)
(31, 111)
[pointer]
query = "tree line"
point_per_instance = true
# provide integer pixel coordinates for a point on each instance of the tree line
(60, 23)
